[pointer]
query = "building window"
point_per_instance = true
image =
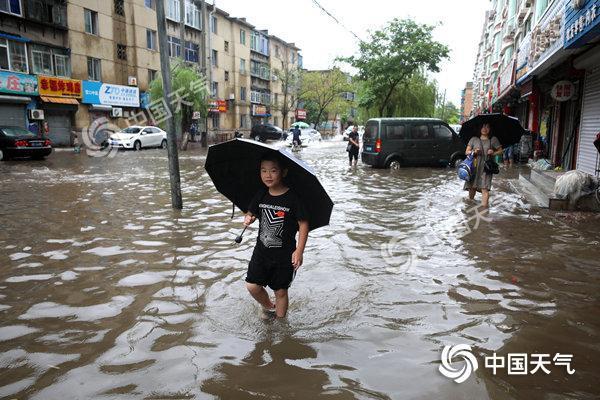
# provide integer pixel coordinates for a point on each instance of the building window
(151, 75)
(255, 97)
(120, 7)
(174, 46)
(41, 58)
(94, 71)
(275, 121)
(292, 57)
(215, 120)
(226, 76)
(192, 51)
(192, 15)
(149, 3)
(226, 46)
(214, 89)
(11, 7)
(213, 24)
(13, 56)
(277, 51)
(62, 66)
(173, 8)
(276, 101)
(242, 66)
(243, 37)
(215, 58)
(244, 121)
(243, 93)
(122, 52)
(151, 39)
(91, 21)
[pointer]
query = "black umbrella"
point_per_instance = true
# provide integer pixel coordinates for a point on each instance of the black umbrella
(234, 167)
(507, 129)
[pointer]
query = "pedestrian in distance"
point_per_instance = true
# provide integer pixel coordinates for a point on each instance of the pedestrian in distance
(482, 146)
(276, 256)
(296, 141)
(353, 146)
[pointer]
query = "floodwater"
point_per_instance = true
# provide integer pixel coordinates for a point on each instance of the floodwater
(107, 293)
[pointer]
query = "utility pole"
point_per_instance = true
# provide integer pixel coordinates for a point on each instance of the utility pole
(174, 176)
(203, 66)
(444, 106)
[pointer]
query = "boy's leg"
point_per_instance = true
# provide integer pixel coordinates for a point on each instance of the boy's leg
(260, 295)
(472, 192)
(281, 303)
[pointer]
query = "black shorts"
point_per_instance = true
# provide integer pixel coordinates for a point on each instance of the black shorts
(353, 154)
(275, 273)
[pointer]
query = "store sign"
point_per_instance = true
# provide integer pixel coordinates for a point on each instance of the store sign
(217, 106)
(582, 23)
(110, 95)
(563, 91)
(300, 113)
(506, 79)
(259, 111)
(59, 87)
(15, 83)
(523, 58)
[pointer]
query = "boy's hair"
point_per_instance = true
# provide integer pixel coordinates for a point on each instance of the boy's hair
(274, 157)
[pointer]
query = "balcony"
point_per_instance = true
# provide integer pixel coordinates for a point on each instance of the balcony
(47, 12)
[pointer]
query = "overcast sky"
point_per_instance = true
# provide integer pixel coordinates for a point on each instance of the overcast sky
(322, 39)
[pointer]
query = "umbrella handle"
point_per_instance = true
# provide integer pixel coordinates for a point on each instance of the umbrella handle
(239, 238)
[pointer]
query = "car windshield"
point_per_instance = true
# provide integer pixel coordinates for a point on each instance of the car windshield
(15, 131)
(131, 130)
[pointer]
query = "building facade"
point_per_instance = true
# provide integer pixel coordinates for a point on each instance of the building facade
(537, 61)
(466, 102)
(65, 64)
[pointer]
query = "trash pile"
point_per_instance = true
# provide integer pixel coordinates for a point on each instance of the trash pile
(574, 185)
(540, 165)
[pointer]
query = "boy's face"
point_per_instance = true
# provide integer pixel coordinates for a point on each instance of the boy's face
(271, 173)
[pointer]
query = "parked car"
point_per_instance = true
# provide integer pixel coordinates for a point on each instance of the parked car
(16, 142)
(361, 131)
(307, 136)
(266, 132)
(396, 142)
(138, 137)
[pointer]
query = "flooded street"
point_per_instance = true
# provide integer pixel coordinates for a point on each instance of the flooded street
(106, 292)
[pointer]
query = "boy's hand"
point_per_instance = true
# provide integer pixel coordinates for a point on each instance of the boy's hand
(297, 259)
(249, 219)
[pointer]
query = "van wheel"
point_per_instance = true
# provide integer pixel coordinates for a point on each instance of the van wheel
(395, 165)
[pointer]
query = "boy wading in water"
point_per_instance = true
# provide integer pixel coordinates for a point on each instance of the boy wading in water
(276, 257)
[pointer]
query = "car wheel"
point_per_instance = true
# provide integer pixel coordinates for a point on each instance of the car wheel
(163, 144)
(257, 138)
(395, 165)
(2, 155)
(137, 146)
(457, 160)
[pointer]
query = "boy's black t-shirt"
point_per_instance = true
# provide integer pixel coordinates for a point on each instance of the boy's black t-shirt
(278, 222)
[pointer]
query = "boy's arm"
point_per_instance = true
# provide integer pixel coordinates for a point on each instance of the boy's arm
(298, 255)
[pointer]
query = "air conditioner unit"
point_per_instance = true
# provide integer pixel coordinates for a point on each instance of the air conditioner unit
(232, 96)
(116, 112)
(36, 114)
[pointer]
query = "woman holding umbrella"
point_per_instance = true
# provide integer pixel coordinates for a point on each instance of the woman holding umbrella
(482, 146)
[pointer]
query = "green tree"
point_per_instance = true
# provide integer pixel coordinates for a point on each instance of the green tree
(289, 77)
(392, 57)
(322, 91)
(448, 113)
(190, 93)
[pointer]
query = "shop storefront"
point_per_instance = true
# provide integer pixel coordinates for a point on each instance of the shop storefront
(16, 92)
(59, 100)
(582, 21)
(260, 114)
(105, 100)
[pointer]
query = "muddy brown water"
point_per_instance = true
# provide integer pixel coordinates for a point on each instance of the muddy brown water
(106, 293)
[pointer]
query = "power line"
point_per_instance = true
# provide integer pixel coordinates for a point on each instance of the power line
(336, 20)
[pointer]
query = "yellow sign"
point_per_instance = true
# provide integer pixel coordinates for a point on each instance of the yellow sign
(59, 87)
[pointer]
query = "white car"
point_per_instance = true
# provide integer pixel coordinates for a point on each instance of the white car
(138, 137)
(307, 136)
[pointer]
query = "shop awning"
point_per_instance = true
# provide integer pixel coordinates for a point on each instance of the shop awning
(14, 99)
(59, 100)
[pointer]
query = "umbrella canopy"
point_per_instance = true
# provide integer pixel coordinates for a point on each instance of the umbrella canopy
(301, 125)
(234, 168)
(507, 129)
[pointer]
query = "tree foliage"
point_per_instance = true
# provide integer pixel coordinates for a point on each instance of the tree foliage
(395, 55)
(322, 93)
(289, 76)
(190, 93)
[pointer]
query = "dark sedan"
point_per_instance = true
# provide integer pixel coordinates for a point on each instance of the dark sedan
(266, 132)
(17, 142)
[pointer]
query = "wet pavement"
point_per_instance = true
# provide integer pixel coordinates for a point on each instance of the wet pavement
(105, 292)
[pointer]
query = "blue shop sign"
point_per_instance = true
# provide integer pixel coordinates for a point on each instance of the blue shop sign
(582, 22)
(110, 95)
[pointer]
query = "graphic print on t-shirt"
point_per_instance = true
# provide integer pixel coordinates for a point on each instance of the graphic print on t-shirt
(271, 225)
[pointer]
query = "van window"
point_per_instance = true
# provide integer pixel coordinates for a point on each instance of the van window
(395, 132)
(371, 130)
(442, 132)
(420, 132)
